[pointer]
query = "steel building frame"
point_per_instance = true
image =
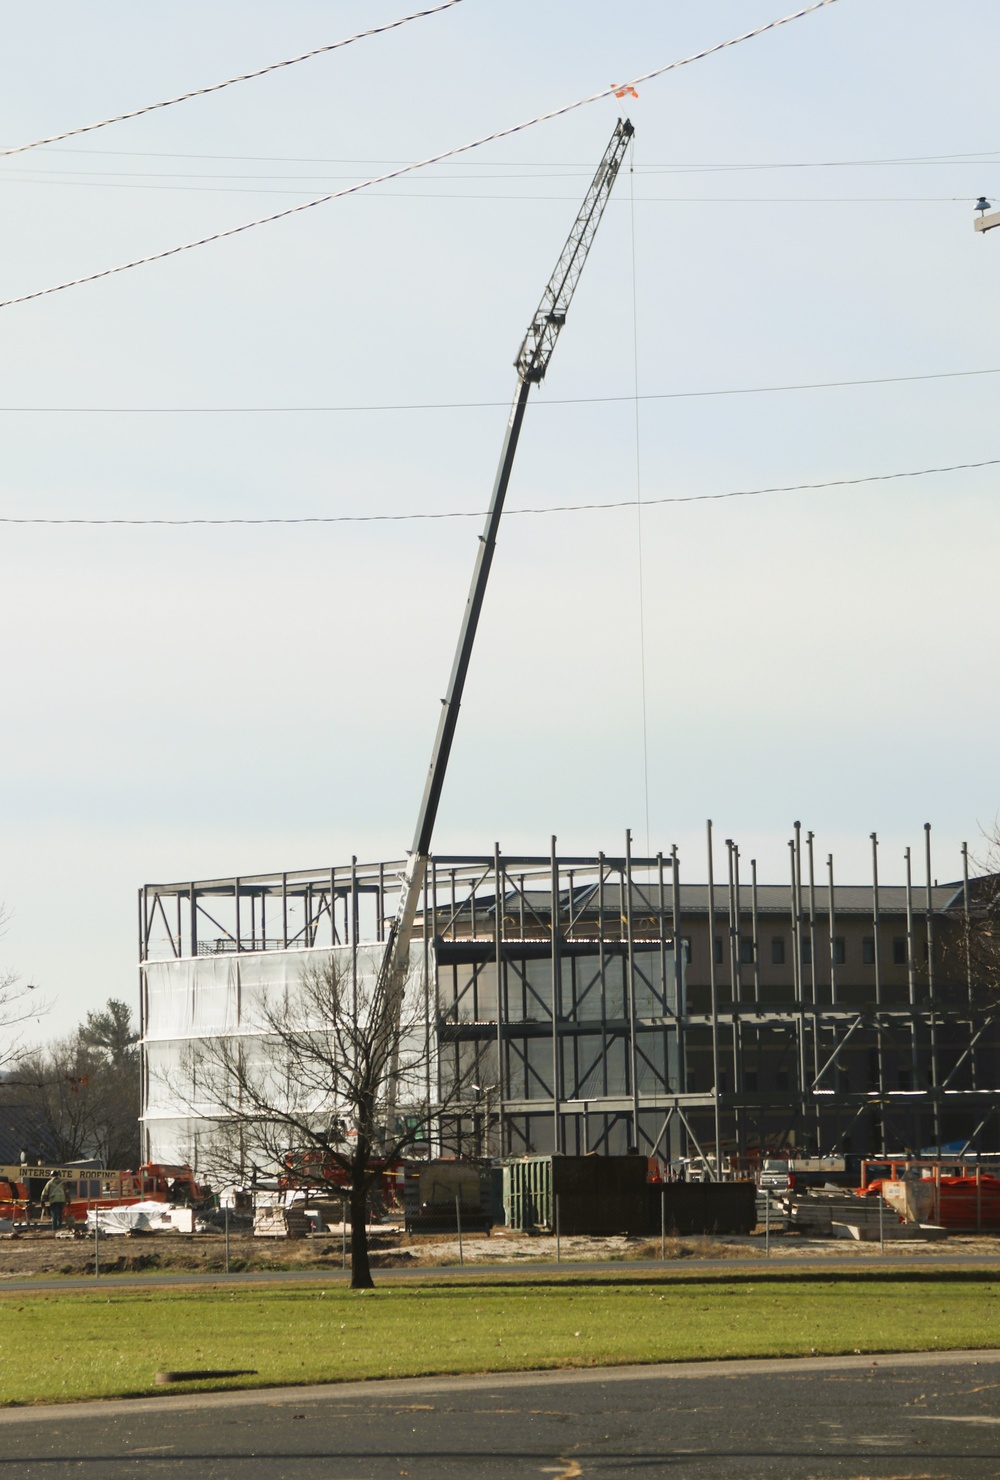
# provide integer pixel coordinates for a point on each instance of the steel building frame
(708, 1052)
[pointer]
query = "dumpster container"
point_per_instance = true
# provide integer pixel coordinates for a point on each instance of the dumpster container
(597, 1194)
(703, 1207)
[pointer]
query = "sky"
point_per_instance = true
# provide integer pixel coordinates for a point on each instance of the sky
(193, 702)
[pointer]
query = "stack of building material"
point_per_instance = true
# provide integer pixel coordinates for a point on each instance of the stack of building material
(274, 1221)
(832, 1212)
(771, 1210)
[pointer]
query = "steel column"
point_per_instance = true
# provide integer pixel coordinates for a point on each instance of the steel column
(714, 1005)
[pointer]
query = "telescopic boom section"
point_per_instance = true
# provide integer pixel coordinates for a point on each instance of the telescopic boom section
(531, 364)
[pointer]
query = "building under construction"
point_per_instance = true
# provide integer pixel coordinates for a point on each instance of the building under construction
(597, 1004)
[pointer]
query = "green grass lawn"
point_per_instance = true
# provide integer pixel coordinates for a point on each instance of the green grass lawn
(56, 1346)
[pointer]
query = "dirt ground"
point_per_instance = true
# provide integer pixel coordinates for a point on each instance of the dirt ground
(39, 1252)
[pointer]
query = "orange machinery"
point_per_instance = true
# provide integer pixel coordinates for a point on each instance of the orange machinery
(953, 1194)
(97, 1187)
(13, 1200)
(312, 1172)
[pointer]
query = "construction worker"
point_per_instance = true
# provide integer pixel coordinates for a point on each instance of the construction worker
(54, 1198)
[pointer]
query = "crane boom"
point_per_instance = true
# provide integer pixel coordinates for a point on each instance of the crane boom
(531, 364)
(539, 342)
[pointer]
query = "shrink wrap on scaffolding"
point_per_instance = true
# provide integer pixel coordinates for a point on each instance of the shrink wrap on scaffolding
(196, 1000)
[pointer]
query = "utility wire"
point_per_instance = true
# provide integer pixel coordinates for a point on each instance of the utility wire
(740, 390)
(970, 157)
(200, 92)
(614, 90)
(629, 503)
(725, 200)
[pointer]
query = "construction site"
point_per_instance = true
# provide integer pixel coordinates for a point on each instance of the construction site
(572, 1005)
(603, 1005)
(550, 1037)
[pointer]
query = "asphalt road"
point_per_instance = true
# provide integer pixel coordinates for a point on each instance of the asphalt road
(914, 1417)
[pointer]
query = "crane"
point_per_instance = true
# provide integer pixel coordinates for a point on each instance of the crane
(531, 364)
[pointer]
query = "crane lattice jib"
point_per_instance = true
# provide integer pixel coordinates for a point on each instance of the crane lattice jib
(539, 342)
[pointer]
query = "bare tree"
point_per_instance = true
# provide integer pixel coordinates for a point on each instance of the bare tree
(970, 948)
(19, 1003)
(81, 1093)
(338, 1076)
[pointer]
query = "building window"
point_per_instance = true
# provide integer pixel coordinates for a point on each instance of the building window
(899, 953)
(777, 950)
(868, 950)
(750, 1081)
(905, 1079)
(807, 950)
(746, 951)
(781, 1079)
(839, 954)
(692, 1082)
(718, 950)
(723, 1082)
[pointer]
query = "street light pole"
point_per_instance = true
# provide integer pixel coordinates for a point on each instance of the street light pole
(984, 222)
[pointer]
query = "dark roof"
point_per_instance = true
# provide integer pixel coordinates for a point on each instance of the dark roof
(772, 899)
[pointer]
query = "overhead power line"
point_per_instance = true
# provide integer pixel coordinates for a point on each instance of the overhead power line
(629, 503)
(405, 169)
(739, 390)
(463, 194)
(200, 92)
(971, 157)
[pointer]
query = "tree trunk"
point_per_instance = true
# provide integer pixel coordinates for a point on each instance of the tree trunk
(361, 1275)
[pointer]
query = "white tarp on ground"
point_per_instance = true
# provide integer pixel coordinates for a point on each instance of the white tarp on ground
(143, 1217)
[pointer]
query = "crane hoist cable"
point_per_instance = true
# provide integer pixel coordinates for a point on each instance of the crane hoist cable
(640, 588)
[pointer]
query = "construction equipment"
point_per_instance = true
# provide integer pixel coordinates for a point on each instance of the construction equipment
(952, 1193)
(531, 364)
(99, 1187)
(444, 1195)
(13, 1202)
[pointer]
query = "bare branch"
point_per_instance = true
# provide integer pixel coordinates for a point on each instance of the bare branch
(328, 1080)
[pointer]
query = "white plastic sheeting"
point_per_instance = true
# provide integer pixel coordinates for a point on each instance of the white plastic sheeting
(142, 1217)
(190, 1000)
(198, 996)
(204, 996)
